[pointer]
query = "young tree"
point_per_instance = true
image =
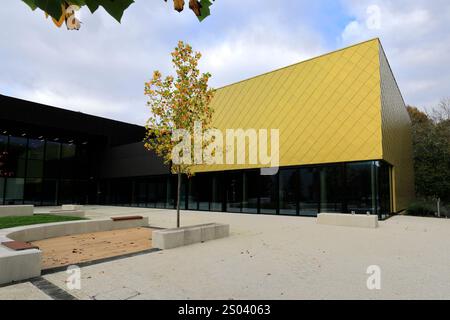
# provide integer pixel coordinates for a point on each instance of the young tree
(178, 103)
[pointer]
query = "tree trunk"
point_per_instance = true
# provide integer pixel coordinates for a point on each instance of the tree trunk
(178, 199)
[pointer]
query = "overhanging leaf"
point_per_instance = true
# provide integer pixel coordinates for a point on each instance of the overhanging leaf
(31, 4)
(52, 7)
(205, 10)
(115, 7)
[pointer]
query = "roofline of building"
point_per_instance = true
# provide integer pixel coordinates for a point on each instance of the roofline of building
(299, 63)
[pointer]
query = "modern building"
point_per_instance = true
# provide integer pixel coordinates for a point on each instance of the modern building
(345, 146)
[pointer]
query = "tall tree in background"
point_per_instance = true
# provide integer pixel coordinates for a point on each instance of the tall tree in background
(178, 103)
(431, 144)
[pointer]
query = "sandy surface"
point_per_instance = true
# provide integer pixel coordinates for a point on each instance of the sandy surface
(69, 250)
(275, 257)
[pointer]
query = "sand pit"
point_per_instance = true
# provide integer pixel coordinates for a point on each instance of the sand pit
(69, 250)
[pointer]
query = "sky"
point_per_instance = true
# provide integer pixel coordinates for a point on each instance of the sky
(101, 69)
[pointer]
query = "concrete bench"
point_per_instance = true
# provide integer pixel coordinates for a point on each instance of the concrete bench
(173, 238)
(348, 220)
(21, 210)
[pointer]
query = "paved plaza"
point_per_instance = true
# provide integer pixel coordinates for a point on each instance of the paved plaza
(270, 257)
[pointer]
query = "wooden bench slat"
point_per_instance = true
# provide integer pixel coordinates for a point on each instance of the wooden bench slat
(127, 218)
(19, 245)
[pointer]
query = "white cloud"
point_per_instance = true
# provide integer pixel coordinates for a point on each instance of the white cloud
(415, 37)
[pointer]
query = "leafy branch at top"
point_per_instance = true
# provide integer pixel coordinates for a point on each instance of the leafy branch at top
(57, 8)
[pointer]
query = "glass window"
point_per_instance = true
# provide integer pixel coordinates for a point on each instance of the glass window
(308, 191)
(66, 191)
(288, 191)
(172, 184)
(52, 151)
(140, 193)
(384, 189)
(332, 189)
(216, 192)
(33, 191)
(161, 192)
(269, 194)
(18, 147)
(3, 143)
(192, 193)
(36, 149)
(2, 190)
(14, 191)
(49, 193)
(35, 168)
(233, 185)
(68, 151)
(203, 191)
(250, 191)
(151, 193)
(360, 187)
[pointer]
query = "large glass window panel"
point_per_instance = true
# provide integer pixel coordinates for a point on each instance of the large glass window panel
(18, 147)
(161, 192)
(2, 190)
(308, 191)
(52, 151)
(14, 191)
(4, 169)
(140, 193)
(268, 194)
(171, 191)
(332, 188)
(3, 143)
(35, 168)
(66, 191)
(151, 193)
(33, 191)
(288, 191)
(36, 149)
(81, 193)
(384, 189)
(49, 193)
(233, 185)
(360, 187)
(192, 193)
(216, 192)
(250, 191)
(68, 151)
(203, 190)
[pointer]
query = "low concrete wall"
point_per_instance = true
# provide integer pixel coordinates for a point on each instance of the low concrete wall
(68, 213)
(61, 229)
(26, 264)
(173, 238)
(71, 207)
(348, 220)
(25, 210)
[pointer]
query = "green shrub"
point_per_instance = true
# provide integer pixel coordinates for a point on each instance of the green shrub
(422, 209)
(428, 208)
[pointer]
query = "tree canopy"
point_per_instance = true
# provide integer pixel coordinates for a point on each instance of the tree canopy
(57, 9)
(431, 144)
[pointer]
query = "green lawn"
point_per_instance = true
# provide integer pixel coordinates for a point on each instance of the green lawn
(10, 222)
